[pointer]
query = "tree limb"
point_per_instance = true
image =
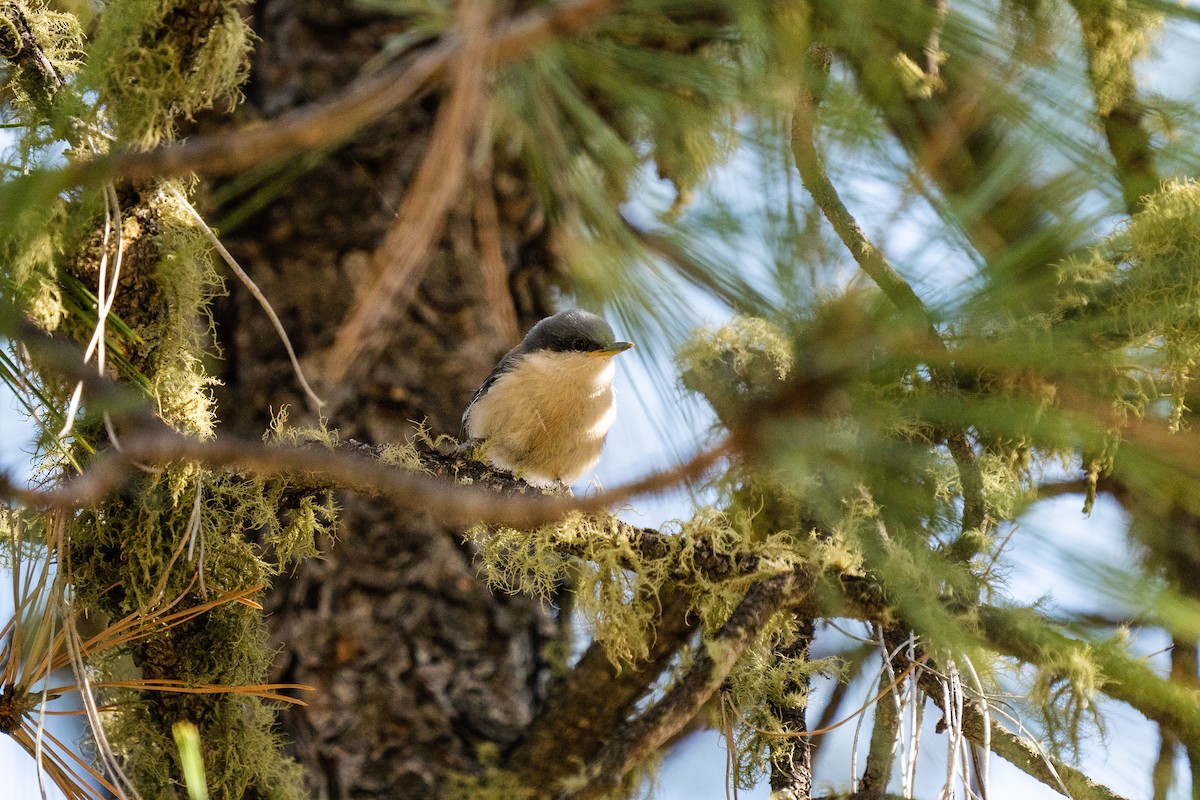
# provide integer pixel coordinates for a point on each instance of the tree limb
(632, 744)
(1015, 632)
(363, 102)
(1105, 26)
(19, 45)
(591, 701)
(444, 500)
(811, 167)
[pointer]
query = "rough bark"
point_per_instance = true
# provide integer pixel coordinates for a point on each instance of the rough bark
(415, 662)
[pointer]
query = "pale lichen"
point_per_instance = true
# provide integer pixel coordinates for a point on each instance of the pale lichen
(156, 63)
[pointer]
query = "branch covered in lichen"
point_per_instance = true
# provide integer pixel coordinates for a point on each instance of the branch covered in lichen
(1115, 35)
(631, 744)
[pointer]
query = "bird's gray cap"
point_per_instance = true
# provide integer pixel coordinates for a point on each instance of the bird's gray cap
(575, 330)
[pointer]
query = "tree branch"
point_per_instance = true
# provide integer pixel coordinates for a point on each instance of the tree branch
(631, 745)
(962, 135)
(881, 753)
(592, 701)
(22, 49)
(1106, 27)
(811, 167)
(444, 500)
(791, 770)
(1018, 633)
(363, 102)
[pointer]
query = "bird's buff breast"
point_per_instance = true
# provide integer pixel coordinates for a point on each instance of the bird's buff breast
(547, 418)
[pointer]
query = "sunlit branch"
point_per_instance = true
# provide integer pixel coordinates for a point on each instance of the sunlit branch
(881, 752)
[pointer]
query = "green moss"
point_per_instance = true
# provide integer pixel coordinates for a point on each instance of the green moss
(132, 554)
(492, 783)
(1138, 292)
(158, 62)
(187, 282)
(1115, 34)
(60, 39)
(1063, 691)
(731, 366)
(32, 255)
(616, 589)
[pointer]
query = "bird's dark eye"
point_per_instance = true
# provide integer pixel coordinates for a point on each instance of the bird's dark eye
(579, 344)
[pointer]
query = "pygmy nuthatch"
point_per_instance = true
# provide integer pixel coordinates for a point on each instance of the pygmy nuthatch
(544, 411)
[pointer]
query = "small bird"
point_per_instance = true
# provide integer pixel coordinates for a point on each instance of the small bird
(544, 411)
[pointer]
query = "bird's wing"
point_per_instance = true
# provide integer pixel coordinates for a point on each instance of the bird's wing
(506, 364)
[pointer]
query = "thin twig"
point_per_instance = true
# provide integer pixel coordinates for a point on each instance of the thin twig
(442, 499)
(315, 401)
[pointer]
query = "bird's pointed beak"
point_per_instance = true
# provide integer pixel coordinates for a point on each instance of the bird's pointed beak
(613, 349)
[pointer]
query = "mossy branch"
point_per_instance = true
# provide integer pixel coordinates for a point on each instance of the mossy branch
(591, 701)
(881, 752)
(1113, 37)
(20, 46)
(633, 743)
(1024, 635)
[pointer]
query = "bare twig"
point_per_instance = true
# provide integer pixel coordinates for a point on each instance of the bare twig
(442, 499)
(315, 401)
(1019, 751)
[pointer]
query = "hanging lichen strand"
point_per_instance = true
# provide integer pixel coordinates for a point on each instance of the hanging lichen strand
(157, 62)
(176, 538)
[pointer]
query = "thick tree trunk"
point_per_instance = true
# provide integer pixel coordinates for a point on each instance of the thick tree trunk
(414, 661)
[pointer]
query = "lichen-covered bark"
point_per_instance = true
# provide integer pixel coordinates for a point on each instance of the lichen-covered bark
(416, 663)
